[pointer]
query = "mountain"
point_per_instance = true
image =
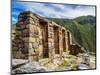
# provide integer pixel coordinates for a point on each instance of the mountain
(83, 30)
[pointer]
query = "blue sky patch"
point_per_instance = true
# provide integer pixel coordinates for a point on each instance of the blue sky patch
(51, 10)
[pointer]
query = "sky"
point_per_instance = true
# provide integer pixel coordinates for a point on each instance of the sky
(51, 10)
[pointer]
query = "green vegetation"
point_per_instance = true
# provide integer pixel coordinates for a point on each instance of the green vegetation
(83, 30)
(64, 64)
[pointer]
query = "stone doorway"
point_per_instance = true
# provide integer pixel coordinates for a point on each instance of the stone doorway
(63, 40)
(44, 31)
(68, 36)
(56, 39)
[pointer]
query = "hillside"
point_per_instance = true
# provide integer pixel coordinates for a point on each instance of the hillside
(83, 30)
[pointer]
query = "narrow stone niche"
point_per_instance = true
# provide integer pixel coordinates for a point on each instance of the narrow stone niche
(56, 39)
(68, 36)
(44, 31)
(63, 40)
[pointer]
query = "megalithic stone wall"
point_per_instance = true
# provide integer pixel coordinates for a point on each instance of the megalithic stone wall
(51, 37)
(36, 38)
(26, 40)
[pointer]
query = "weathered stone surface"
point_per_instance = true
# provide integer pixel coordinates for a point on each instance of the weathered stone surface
(27, 67)
(39, 38)
(75, 49)
(83, 67)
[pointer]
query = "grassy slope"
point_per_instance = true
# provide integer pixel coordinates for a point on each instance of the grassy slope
(83, 30)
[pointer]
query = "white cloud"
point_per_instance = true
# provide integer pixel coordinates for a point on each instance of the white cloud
(72, 13)
(59, 10)
(13, 20)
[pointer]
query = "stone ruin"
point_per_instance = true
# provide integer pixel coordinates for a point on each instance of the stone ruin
(37, 38)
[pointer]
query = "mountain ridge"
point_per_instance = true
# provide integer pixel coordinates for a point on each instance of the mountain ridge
(83, 30)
